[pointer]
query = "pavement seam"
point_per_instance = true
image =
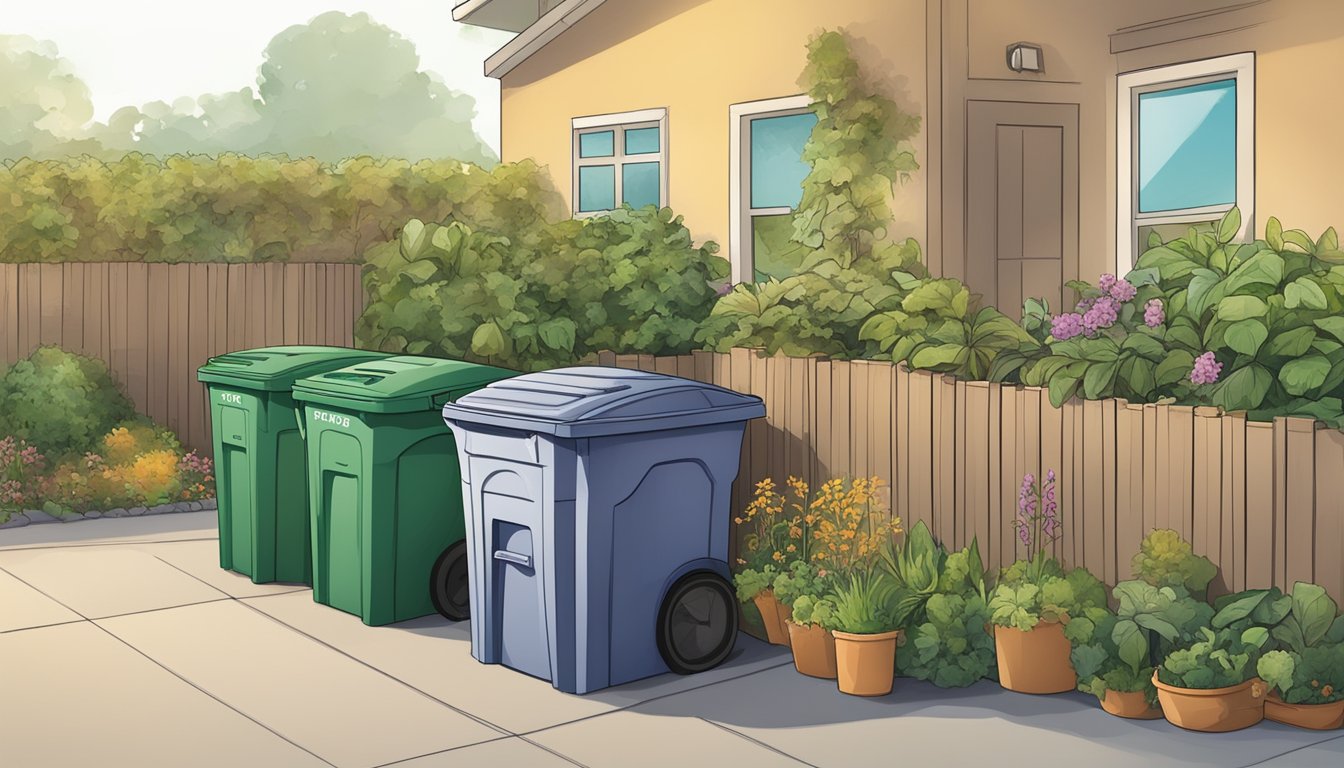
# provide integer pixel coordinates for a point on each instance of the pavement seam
(1294, 749)
(756, 741)
(84, 544)
(156, 663)
(384, 673)
(786, 662)
(524, 739)
(41, 626)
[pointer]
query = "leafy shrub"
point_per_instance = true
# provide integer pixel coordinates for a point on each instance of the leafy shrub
(801, 579)
(750, 582)
(546, 296)
(1051, 598)
(1118, 650)
(812, 610)
(236, 208)
(21, 471)
(60, 401)
(864, 603)
(941, 601)
(1218, 659)
(1165, 559)
(1313, 676)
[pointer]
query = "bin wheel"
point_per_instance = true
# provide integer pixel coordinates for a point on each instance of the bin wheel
(449, 589)
(697, 624)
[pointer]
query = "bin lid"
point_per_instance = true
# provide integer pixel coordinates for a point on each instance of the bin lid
(592, 401)
(274, 369)
(399, 384)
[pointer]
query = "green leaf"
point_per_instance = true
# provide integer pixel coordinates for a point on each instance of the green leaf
(1229, 225)
(1274, 234)
(1244, 389)
(1303, 374)
(412, 237)
(558, 333)
(1291, 343)
(1241, 307)
(1299, 238)
(1304, 292)
(1314, 610)
(1265, 268)
(1328, 241)
(1174, 367)
(935, 356)
(1098, 380)
(1333, 325)
(1246, 336)
(488, 340)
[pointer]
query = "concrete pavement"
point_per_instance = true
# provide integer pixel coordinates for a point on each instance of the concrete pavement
(122, 643)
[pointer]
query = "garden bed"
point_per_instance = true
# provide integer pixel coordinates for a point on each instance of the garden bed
(35, 516)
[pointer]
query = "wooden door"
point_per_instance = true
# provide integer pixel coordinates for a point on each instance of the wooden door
(1021, 202)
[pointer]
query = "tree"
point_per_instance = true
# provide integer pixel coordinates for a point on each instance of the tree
(43, 105)
(339, 86)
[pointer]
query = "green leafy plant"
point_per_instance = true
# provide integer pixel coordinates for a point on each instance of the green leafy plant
(61, 402)
(858, 149)
(811, 610)
(951, 648)
(1119, 650)
(1218, 659)
(1025, 604)
(548, 295)
(948, 640)
(800, 579)
(1166, 559)
(751, 582)
(1308, 665)
(864, 603)
(235, 208)
(915, 566)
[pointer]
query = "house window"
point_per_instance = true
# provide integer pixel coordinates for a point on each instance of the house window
(765, 185)
(1185, 141)
(620, 159)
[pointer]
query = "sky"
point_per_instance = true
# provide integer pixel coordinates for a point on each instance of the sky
(131, 52)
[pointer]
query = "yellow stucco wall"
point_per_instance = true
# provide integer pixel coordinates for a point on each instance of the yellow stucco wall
(695, 58)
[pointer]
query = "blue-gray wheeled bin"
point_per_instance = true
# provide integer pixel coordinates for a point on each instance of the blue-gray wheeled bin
(598, 520)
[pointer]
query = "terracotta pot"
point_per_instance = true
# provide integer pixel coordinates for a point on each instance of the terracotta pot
(1213, 710)
(785, 613)
(1130, 704)
(1318, 717)
(769, 607)
(813, 650)
(865, 664)
(1035, 661)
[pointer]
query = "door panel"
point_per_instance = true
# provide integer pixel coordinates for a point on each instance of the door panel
(1022, 202)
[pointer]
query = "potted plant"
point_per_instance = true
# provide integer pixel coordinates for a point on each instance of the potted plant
(1115, 652)
(810, 636)
(806, 582)
(865, 633)
(948, 641)
(1211, 684)
(1306, 673)
(1035, 599)
(754, 586)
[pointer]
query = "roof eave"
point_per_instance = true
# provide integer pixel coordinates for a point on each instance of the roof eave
(538, 35)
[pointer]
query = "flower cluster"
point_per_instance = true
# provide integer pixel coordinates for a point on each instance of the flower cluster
(21, 467)
(1206, 369)
(837, 526)
(1153, 313)
(1037, 520)
(1094, 314)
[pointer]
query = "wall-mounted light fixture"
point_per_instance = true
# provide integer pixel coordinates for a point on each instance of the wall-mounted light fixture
(1025, 57)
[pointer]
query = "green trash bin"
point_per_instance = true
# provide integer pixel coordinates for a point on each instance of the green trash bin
(385, 492)
(260, 477)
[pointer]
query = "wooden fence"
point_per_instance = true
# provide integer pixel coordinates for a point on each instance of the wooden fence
(154, 324)
(1265, 501)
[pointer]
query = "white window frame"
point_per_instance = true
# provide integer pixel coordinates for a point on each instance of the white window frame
(618, 123)
(1129, 86)
(740, 212)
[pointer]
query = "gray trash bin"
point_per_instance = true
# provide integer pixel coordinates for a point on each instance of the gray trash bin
(598, 521)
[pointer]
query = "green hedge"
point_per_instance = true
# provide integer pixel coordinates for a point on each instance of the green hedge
(236, 208)
(548, 295)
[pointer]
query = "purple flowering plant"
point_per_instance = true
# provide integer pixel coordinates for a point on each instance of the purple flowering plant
(1037, 521)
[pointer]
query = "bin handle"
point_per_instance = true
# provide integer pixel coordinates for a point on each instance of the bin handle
(513, 557)
(298, 417)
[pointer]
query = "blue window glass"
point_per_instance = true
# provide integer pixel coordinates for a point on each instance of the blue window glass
(641, 141)
(777, 167)
(597, 144)
(597, 188)
(640, 184)
(1188, 147)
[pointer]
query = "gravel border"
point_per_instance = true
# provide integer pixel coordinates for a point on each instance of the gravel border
(35, 516)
